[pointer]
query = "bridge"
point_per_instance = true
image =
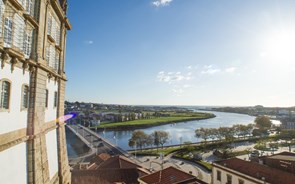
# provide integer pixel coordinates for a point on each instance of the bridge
(96, 144)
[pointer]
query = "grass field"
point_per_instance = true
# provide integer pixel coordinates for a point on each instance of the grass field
(173, 118)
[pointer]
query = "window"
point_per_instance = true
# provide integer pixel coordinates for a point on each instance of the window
(241, 181)
(5, 95)
(22, 2)
(2, 8)
(55, 99)
(18, 35)
(229, 179)
(30, 7)
(48, 54)
(52, 56)
(46, 98)
(57, 34)
(25, 96)
(56, 64)
(27, 45)
(49, 24)
(218, 176)
(7, 32)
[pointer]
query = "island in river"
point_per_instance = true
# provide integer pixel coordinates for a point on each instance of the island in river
(156, 119)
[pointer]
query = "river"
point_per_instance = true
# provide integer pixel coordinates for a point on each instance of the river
(180, 132)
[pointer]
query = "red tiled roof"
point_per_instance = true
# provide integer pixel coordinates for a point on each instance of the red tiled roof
(117, 162)
(105, 176)
(258, 171)
(116, 169)
(170, 175)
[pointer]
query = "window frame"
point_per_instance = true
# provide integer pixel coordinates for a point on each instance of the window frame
(18, 31)
(229, 179)
(2, 108)
(8, 32)
(46, 98)
(23, 107)
(2, 10)
(55, 103)
(218, 175)
(241, 181)
(27, 44)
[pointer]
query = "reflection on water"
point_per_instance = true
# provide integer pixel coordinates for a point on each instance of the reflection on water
(75, 146)
(181, 131)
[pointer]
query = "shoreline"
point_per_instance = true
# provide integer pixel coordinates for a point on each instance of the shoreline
(133, 127)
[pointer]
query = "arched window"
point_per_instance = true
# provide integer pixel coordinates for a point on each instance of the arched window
(25, 96)
(5, 94)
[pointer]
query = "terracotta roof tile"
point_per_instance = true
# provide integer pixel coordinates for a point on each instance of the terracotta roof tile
(105, 176)
(170, 175)
(118, 162)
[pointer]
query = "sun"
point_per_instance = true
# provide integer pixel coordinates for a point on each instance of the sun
(280, 46)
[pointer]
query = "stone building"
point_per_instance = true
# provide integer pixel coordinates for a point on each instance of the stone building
(32, 88)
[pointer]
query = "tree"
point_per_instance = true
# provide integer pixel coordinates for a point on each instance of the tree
(263, 122)
(138, 139)
(203, 133)
(227, 133)
(156, 140)
(163, 137)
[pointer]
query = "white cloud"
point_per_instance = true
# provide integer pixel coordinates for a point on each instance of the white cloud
(171, 77)
(187, 86)
(189, 67)
(89, 42)
(230, 70)
(210, 71)
(159, 3)
(178, 92)
(207, 66)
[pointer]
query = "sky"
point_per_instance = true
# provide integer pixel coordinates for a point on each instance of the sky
(182, 52)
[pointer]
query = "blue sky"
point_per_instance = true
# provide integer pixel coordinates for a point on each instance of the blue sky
(182, 52)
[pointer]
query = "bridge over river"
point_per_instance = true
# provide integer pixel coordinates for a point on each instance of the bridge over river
(95, 143)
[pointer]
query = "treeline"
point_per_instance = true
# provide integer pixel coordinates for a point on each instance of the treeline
(227, 133)
(140, 139)
(260, 128)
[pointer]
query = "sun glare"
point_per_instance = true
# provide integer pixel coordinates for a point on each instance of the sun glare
(281, 47)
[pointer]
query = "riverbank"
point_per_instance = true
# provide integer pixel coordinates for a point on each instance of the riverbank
(146, 123)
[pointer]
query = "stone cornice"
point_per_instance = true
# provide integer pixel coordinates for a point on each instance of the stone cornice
(16, 4)
(31, 20)
(57, 8)
(67, 23)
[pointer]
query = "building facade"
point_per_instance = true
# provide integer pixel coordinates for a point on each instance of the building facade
(32, 88)
(237, 171)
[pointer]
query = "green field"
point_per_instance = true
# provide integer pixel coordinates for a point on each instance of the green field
(173, 118)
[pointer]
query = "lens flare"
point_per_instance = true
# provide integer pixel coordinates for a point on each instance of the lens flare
(66, 117)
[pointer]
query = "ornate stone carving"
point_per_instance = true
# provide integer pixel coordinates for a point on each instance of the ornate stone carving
(25, 65)
(4, 58)
(32, 69)
(13, 62)
(49, 75)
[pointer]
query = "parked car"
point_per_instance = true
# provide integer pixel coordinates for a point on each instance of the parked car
(254, 154)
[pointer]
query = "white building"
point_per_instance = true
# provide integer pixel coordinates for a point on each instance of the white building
(32, 87)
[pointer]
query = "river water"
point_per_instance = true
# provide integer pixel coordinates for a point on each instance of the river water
(180, 132)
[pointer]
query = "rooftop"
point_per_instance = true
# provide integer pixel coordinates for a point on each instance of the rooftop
(170, 175)
(257, 171)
